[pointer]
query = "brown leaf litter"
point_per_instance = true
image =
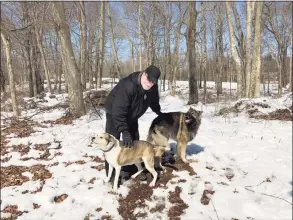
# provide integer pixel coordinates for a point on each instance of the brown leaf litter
(11, 175)
(61, 198)
(76, 162)
(139, 193)
(178, 207)
(13, 210)
(252, 108)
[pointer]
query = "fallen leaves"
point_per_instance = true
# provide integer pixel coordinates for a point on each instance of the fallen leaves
(61, 198)
(99, 168)
(178, 205)
(12, 175)
(206, 196)
(13, 210)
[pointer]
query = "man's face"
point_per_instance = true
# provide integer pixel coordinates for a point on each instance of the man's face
(145, 83)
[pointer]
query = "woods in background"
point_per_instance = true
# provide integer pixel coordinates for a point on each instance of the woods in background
(79, 43)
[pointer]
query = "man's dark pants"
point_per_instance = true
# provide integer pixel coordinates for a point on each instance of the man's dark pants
(133, 130)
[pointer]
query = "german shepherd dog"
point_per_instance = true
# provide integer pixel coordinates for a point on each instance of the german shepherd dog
(179, 126)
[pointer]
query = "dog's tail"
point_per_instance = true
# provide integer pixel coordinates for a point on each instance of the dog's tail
(159, 139)
(159, 150)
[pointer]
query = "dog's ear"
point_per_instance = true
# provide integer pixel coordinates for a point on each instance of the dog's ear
(200, 113)
(111, 138)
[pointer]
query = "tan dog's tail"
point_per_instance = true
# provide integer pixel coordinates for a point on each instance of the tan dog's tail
(160, 139)
(159, 150)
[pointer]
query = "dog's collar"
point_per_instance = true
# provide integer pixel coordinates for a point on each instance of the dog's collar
(109, 147)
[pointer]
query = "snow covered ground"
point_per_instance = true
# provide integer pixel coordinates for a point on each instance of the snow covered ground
(255, 154)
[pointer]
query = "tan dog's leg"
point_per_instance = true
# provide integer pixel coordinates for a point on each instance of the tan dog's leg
(181, 148)
(139, 170)
(149, 165)
(117, 173)
(110, 171)
(159, 151)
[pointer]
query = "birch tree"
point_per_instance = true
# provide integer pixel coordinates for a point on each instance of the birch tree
(249, 10)
(7, 44)
(233, 51)
(255, 76)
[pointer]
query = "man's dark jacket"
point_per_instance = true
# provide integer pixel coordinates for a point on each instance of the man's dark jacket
(128, 101)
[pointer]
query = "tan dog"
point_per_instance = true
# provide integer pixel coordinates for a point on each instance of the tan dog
(117, 156)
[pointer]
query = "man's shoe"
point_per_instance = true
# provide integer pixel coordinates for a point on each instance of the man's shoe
(142, 177)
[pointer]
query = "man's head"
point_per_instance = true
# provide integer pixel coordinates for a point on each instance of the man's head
(150, 77)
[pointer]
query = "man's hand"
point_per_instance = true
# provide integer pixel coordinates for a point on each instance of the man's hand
(127, 139)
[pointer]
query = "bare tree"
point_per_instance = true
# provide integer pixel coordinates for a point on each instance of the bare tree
(233, 51)
(191, 37)
(27, 45)
(204, 69)
(254, 90)
(83, 41)
(278, 23)
(140, 34)
(76, 103)
(39, 34)
(176, 49)
(114, 49)
(291, 63)
(7, 44)
(250, 10)
(219, 50)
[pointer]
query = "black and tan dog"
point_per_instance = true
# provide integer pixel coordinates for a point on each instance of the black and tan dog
(179, 126)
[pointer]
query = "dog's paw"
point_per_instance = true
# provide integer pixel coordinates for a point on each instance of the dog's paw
(152, 184)
(185, 161)
(106, 180)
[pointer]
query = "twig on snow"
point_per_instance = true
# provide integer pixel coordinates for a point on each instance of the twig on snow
(266, 194)
(215, 209)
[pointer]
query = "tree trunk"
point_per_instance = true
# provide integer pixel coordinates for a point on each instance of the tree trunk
(219, 52)
(90, 57)
(250, 10)
(191, 37)
(26, 21)
(176, 52)
(140, 35)
(44, 60)
(204, 67)
(7, 44)
(240, 43)
(38, 82)
(83, 40)
(255, 76)
(114, 50)
(233, 51)
(102, 42)
(76, 103)
(291, 64)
